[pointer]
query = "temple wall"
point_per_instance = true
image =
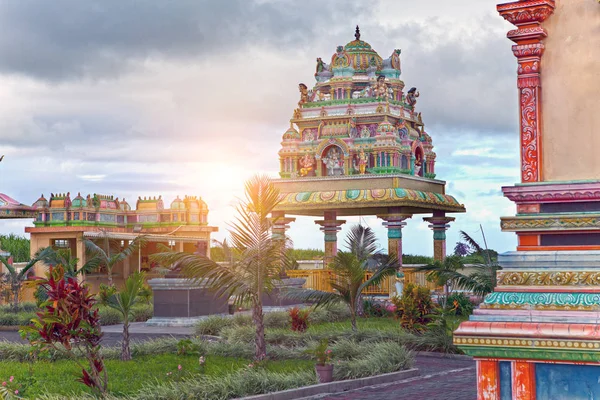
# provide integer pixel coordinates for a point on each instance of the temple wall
(571, 92)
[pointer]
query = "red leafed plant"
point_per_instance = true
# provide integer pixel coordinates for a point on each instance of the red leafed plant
(69, 322)
(299, 319)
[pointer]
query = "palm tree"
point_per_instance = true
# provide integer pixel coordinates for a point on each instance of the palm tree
(254, 259)
(349, 269)
(64, 257)
(123, 302)
(110, 255)
(480, 282)
(16, 278)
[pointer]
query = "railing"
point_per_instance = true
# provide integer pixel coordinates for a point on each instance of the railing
(320, 279)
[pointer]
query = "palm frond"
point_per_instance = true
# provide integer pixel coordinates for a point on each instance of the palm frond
(471, 242)
(362, 242)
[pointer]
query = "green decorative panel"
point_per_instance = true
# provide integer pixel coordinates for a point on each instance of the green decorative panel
(394, 233)
(574, 301)
(439, 235)
(532, 354)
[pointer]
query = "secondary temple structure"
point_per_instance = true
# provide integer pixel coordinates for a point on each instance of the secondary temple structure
(357, 146)
(537, 336)
(63, 222)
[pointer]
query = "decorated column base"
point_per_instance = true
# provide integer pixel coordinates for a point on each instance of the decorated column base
(537, 336)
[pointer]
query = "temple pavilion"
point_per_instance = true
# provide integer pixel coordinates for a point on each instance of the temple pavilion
(357, 146)
(63, 222)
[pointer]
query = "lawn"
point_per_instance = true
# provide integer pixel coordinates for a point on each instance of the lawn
(126, 378)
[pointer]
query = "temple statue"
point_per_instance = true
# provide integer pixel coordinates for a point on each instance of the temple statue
(303, 94)
(381, 88)
(418, 164)
(363, 160)
(411, 96)
(334, 162)
(308, 165)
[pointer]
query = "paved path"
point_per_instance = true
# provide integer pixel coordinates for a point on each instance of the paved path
(441, 379)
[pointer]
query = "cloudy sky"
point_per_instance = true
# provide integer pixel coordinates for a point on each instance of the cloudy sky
(139, 98)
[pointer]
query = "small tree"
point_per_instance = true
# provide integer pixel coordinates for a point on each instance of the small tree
(14, 279)
(123, 302)
(349, 269)
(69, 323)
(254, 261)
(109, 256)
(461, 249)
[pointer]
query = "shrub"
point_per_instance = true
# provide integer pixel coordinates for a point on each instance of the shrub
(438, 337)
(109, 316)
(239, 334)
(459, 304)
(377, 309)
(381, 358)
(414, 307)
(141, 312)
(145, 294)
(16, 319)
(213, 325)
(299, 318)
(105, 292)
(242, 319)
(277, 319)
(22, 307)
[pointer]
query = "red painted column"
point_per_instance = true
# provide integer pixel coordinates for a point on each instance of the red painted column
(488, 381)
(523, 380)
(527, 16)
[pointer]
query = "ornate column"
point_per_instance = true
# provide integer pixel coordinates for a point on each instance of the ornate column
(394, 222)
(439, 223)
(527, 16)
(330, 226)
(280, 225)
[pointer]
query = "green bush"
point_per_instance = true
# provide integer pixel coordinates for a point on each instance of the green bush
(239, 334)
(459, 304)
(377, 309)
(381, 358)
(22, 307)
(242, 319)
(414, 307)
(213, 325)
(109, 316)
(18, 319)
(142, 312)
(238, 384)
(277, 319)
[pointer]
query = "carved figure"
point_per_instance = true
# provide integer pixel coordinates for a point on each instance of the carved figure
(366, 92)
(297, 113)
(381, 88)
(322, 96)
(308, 164)
(309, 136)
(363, 160)
(334, 162)
(352, 130)
(303, 94)
(418, 164)
(365, 132)
(411, 96)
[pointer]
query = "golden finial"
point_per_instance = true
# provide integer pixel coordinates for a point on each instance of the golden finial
(357, 33)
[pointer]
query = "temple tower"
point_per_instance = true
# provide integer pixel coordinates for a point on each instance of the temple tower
(537, 336)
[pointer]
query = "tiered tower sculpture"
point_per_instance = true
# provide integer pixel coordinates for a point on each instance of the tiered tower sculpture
(538, 335)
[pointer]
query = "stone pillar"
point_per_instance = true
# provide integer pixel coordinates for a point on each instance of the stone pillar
(439, 223)
(330, 226)
(280, 225)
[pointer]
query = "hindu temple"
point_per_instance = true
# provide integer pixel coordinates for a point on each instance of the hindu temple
(358, 146)
(537, 336)
(64, 221)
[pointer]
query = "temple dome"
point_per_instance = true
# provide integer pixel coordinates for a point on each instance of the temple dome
(79, 201)
(124, 205)
(177, 204)
(361, 53)
(40, 203)
(291, 133)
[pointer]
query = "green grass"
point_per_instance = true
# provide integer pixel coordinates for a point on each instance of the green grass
(127, 378)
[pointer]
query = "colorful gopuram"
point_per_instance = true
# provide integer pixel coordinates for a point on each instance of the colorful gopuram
(538, 335)
(63, 222)
(357, 146)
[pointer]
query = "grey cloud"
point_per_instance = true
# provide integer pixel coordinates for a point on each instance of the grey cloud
(69, 39)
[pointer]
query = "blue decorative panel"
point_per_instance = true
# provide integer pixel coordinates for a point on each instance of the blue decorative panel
(120, 219)
(108, 217)
(58, 216)
(148, 218)
(75, 216)
(565, 381)
(505, 380)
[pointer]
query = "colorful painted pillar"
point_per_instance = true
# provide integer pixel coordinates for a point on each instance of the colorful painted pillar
(537, 336)
(330, 226)
(439, 223)
(394, 222)
(280, 226)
